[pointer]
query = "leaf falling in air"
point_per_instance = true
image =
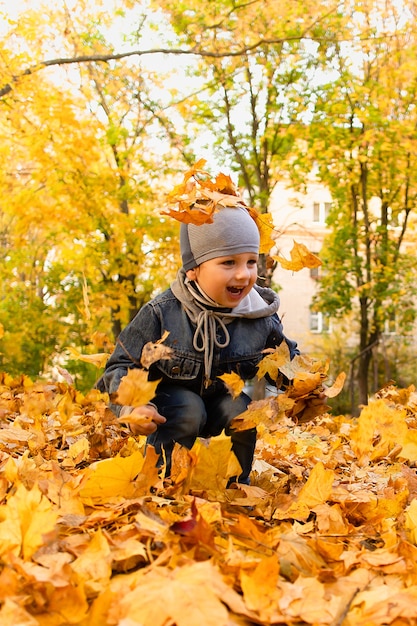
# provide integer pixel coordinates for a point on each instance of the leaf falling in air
(99, 360)
(301, 257)
(135, 389)
(153, 352)
(234, 383)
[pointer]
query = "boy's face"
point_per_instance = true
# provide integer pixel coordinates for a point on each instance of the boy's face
(227, 279)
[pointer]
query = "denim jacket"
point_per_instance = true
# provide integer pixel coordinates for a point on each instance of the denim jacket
(248, 337)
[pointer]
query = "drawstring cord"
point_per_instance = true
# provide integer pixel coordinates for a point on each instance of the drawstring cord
(205, 339)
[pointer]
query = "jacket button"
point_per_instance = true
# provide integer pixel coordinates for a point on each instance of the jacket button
(175, 369)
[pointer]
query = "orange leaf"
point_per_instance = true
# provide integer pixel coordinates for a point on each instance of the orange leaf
(135, 389)
(193, 215)
(318, 486)
(336, 388)
(300, 257)
(258, 412)
(234, 384)
(266, 228)
(274, 361)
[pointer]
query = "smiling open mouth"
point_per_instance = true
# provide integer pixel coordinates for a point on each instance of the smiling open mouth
(235, 290)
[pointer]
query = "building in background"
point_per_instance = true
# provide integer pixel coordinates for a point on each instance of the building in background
(302, 218)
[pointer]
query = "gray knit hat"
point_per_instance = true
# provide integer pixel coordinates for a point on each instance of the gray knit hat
(233, 231)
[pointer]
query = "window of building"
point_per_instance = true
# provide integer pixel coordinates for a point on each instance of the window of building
(315, 272)
(319, 322)
(321, 211)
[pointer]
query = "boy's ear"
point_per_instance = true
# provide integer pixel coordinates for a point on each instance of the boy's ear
(191, 274)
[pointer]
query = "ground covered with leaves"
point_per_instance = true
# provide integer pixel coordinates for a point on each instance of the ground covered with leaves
(91, 535)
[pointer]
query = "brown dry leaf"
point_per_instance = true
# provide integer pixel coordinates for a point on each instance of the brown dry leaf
(300, 257)
(234, 383)
(153, 352)
(135, 389)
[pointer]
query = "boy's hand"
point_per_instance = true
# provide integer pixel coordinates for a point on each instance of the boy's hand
(143, 420)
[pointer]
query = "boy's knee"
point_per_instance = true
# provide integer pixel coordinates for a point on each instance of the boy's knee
(185, 413)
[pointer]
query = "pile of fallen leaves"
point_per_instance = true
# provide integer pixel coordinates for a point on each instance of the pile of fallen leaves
(91, 535)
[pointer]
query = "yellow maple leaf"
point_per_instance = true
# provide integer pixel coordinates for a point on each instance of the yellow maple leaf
(234, 383)
(378, 430)
(196, 170)
(316, 491)
(260, 587)
(93, 566)
(135, 389)
(409, 446)
(318, 486)
(111, 479)
(99, 360)
(216, 463)
(304, 383)
(258, 412)
(303, 363)
(26, 519)
(336, 388)
(410, 524)
(300, 257)
(274, 361)
(69, 602)
(266, 228)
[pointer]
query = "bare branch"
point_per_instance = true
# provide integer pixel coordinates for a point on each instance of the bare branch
(104, 58)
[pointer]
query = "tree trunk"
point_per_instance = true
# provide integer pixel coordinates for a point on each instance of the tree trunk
(362, 377)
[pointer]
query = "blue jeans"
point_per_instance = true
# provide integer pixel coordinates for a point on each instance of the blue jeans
(190, 416)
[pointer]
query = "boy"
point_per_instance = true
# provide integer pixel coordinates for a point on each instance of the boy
(219, 321)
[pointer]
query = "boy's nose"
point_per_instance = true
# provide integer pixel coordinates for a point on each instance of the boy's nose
(242, 271)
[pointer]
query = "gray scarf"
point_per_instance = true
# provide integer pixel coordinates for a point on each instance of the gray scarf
(207, 314)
